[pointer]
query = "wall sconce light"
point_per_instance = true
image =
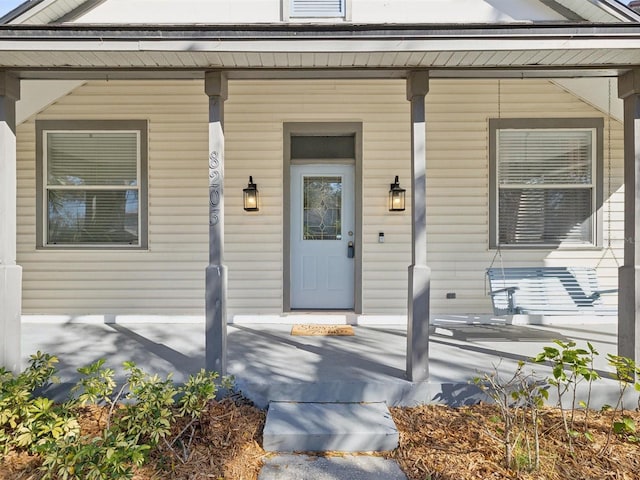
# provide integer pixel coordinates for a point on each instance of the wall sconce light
(396, 197)
(251, 196)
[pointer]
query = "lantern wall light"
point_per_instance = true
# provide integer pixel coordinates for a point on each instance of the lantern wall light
(396, 197)
(250, 195)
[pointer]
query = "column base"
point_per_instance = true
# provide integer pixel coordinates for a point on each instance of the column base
(629, 312)
(216, 319)
(11, 301)
(418, 323)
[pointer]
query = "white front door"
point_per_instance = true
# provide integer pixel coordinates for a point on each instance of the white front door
(322, 232)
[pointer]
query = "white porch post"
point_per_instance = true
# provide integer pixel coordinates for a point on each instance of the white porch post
(419, 273)
(215, 85)
(10, 273)
(629, 273)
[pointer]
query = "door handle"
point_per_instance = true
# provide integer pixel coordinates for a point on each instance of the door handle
(351, 250)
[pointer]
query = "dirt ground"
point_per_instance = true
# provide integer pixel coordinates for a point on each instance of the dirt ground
(436, 443)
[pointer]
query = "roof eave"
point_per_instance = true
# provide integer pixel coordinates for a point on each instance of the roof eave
(18, 11)
(623, 11)
(527, 48)
(299, 31)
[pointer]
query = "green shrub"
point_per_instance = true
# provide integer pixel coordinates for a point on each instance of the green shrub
(27, 421)
(627, 373)
(141, 416)
(520, 397)
(110, 456)
(570, 366)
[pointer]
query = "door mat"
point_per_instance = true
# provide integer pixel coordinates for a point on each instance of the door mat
(322, 330)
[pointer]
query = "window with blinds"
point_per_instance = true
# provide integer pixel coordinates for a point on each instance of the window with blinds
(317, 8)
(546, 187)
(92, 183)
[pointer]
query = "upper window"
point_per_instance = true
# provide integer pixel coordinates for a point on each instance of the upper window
(92, 183)
(325, 147)
(317, 8)
(546, 182)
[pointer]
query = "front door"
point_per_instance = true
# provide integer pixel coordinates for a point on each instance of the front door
(322, 237)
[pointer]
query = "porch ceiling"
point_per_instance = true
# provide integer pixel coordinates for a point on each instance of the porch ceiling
(551, 50)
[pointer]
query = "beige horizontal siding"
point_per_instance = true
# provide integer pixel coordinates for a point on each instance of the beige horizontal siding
(168, 278)
(458, 186)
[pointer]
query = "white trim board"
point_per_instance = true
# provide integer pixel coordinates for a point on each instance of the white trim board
(327, 318)
(112, 319)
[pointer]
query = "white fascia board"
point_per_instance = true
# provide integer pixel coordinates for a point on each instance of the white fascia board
(452, 44)
(330, 46)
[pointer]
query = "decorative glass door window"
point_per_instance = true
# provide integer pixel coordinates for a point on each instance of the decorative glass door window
(322, 212)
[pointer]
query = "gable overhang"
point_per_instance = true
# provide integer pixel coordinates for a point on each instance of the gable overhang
(61, 11)
(355, 50)
(47, 11)
(593, 10)
(23, 9)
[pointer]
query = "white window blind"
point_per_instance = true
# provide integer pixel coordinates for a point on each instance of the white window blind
(317, 8)
(546, 186)
(92, 187)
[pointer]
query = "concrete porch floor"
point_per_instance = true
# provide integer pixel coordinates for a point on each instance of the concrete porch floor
(270, 364)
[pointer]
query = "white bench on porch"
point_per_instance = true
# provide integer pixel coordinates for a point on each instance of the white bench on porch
(547, 291)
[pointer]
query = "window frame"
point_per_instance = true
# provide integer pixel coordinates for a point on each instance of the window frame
(43, 127)
(596, 125)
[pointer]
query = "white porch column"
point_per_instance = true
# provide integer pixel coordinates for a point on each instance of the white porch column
(10, 273)
(215, 85)
(419, 273)
(629, 273)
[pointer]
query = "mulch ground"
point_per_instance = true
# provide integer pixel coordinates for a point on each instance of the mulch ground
(226, 446)
(440, 443)
(436, 443)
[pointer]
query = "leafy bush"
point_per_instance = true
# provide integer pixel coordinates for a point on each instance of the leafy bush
(27, 421)
(141, 416)
(520, 397)
(110, 456)
(570, 366)
(627, 373)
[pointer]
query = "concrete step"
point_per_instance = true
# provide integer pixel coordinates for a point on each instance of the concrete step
(319, 427)
(347, 467)
(263, 390)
